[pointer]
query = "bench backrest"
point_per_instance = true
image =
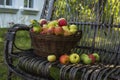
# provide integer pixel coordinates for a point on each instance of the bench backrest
(99, 21)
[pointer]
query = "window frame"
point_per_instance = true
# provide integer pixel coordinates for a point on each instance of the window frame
(8, 8)
(28, 4)
(5, 4)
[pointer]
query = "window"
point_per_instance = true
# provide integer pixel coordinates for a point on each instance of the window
(28, 3)
(6, 2)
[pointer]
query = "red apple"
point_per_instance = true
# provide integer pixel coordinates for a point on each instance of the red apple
(92, 57)
(62, 22)
(64, 59)
(42, 22)
(58, 31)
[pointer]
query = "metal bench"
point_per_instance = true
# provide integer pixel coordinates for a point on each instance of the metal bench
(99, 35)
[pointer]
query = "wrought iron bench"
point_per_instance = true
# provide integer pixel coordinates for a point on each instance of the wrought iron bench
(98, 36)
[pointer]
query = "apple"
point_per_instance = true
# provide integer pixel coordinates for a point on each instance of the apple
(53, 23)
(67, 33)
(51, 58)
(82, 56)
(92, 57)
(73, 26)
(36, 29)
(87, 60)
(44, 30)
(58, 30)
(45, 26)
(42, 22)
(50, 30)
(65, 28)
(73, 31)
(74, 58)
(64, 59)
(62, 22)
(97, 57)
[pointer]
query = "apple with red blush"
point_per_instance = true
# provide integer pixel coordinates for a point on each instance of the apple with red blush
(92, 57)
(58, 31)
(64, 59)
(62, 22)
(42, 22)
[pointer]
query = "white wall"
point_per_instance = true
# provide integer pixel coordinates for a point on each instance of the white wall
(18, 14)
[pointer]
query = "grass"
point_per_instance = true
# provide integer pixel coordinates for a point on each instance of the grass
(22, 40)
(3, 68)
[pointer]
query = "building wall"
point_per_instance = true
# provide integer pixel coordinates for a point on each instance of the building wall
(18, 14)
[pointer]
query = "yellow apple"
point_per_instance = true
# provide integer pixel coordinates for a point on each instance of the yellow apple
(51, 58)
(73, 26)
(74, 58)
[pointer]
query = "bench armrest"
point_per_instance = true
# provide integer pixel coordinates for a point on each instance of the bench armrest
(10, 37)
(18, 27)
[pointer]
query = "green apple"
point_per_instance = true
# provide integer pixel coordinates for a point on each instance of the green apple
(83, 55)
(37, 29)
(87, 60)
(73, 26)
(51, 58)
(73, 31)
(66, 31)
(53, 24)
(65, 28)
(97, 57)
(74, 58)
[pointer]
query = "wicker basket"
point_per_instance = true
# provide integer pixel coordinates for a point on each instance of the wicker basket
(45, 45)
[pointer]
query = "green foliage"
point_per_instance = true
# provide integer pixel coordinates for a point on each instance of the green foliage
(88, 10)
(74, 10)
(112, 12)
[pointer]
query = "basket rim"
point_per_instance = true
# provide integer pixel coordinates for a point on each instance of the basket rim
(75, 37)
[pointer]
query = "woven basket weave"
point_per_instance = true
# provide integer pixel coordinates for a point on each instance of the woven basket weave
(45, 45)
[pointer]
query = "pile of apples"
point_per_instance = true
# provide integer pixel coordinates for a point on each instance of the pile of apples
(55, 27)
(75, 58)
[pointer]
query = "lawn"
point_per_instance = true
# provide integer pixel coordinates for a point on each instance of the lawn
(22, 41)
(3, 68)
